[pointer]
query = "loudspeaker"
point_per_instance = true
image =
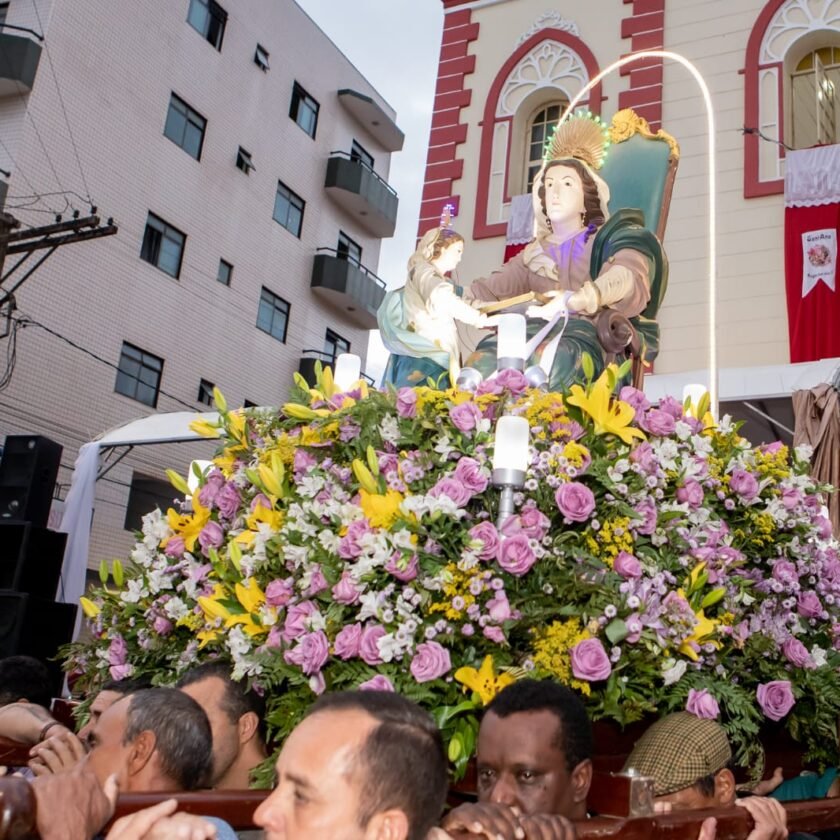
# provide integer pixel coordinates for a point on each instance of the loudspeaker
(28, 471)
(30, 558)
(35, 627)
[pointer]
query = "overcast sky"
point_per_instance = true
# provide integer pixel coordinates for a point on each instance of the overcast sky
(395, 45)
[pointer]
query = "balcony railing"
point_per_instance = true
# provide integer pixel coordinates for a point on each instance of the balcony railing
(355, 187)
(348, 286)
(306, 368)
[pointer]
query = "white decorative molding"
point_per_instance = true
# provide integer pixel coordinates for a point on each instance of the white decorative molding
(548, 64)
(549, 20)
(793, 20)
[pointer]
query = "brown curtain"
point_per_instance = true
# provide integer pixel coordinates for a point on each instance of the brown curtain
(817, 414)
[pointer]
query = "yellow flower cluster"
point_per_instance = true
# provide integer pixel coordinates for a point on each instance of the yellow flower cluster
(772, 464)
(542, 410)
(761, 533)
(552, 651)
(456, 582)
(613, 537)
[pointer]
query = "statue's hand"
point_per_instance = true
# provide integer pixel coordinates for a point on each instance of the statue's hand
(547, 311)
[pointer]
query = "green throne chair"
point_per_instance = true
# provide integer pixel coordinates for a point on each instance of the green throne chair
(640, 170)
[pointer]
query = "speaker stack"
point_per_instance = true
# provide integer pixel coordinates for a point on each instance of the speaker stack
(31, 621)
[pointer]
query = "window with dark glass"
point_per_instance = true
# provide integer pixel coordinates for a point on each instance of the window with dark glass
(139, 374)
(359, 153)
(249, 404)
(163, 245)
(538, 133)
(273, 315)
(208, 18)
(225, 273)
(205, 392)
(335, 345)
(243, 161)
(261, 57)
(4, 10)
(185, 127)
(288, 209)
(304, 110)
(348, 249)
(146, 493)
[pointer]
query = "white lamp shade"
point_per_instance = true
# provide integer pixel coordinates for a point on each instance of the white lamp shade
(512, 440)
(348, 369)
(511, 337)
(193, 480)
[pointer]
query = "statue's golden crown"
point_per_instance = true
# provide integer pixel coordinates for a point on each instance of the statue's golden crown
(581, 136)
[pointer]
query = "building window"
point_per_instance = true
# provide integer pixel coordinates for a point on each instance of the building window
(261, 57)
(273, 315)
(4, 10)
(348, 249)
(138, 375)
(225, 273)
(145, 494)
(243, 161)
(249, 404)
(539, 130)
(163, 245)
(814, 84)
(304, 110)
(185, 127)
(360, 154)
(288, 209)
(208, 18)
(205, 392)
(335, 345)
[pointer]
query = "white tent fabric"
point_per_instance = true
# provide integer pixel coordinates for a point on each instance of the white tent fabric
(78, 508)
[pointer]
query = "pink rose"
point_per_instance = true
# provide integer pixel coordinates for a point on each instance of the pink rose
(175, 547)
(791, 497)
(278, 593)
(702, 704)
(797, 654)
(317, 582)
(213, 483)
(368, 648)
(808, 605)
(690, 493)
(465, 417)
(377, 683)
(345, 591)
(310, 654)
(494, 634)
(211, 536)
(349, 546)
(431, 660)
(228, 500)
(785, 572)
(469, 472)
(117, 651)
(590, 661)
(407, 402)
(402, 569)
(533, 523)
(348, 641)
(744, 484)
(488, 536)
(658, 422)
(516, 555)
(823, 526)
(647, 510)
(575, 501)
(296, 616)
(627, 565)
(498, 608)
(120, 672)
(162, 626)
(512, 380)
(635, 398)
(775, 698)
(454, 489)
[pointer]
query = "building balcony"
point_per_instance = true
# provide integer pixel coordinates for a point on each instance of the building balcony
(347, 286)
(21, 56)
(369, 114)
(360, 192)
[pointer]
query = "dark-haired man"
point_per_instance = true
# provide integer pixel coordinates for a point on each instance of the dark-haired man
(236, 719)
(362, 765)
(24, 679)
(534, 762)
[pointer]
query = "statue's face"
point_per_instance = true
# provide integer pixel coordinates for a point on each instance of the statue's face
(563, 197)
(449, 257)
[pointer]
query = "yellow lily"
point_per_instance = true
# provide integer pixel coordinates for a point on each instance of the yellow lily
(251, 597)
(364, 476)
(188, 526)
(90, 609)
(484, 681)
(610, 416)
(259, 515)
(704, 628)
(226, 462)
(204, 428)
(236, 425)
(381, 509)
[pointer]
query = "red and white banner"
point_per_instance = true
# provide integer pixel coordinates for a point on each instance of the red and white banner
(812, 229)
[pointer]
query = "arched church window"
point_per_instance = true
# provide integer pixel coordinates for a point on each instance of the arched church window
(814, 83)
(539, 130)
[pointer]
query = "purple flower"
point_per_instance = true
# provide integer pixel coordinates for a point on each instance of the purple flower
(348, 641)
(823, 526)
(671, 406)
(454, 489)
(469, 472)
(296, 616)
(120, 672)
(647, 510)
(791, 497)
(488, 535)
(702, 704)
(212, 536)
(431, 660)
(345, 591)
(349, 546)
(744, 484)
(498, 608)
(690, 493)
(635, 398)
(775, 698)
(658, 422)
(785, 572)
(278, 593)
(377, 683)
(317, 582)
(465, 417)
(495, 634)
(516, 555)
(175, 547)
(303, 461)
(532, 522)
(590, 661)
(162, 626)
(310, 654)
(402, 569)
(213, 483)
(808, 605)
(575, 501)
(228, 500)
(368, 647)
(627, 565)
(260, 500)
(407, 402)
(512, 380)
(117, 651)
(645, 456)
(796, 653)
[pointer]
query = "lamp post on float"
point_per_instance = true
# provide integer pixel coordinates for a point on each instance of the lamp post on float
(348, 370)
(511, 457)
(510, 346)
